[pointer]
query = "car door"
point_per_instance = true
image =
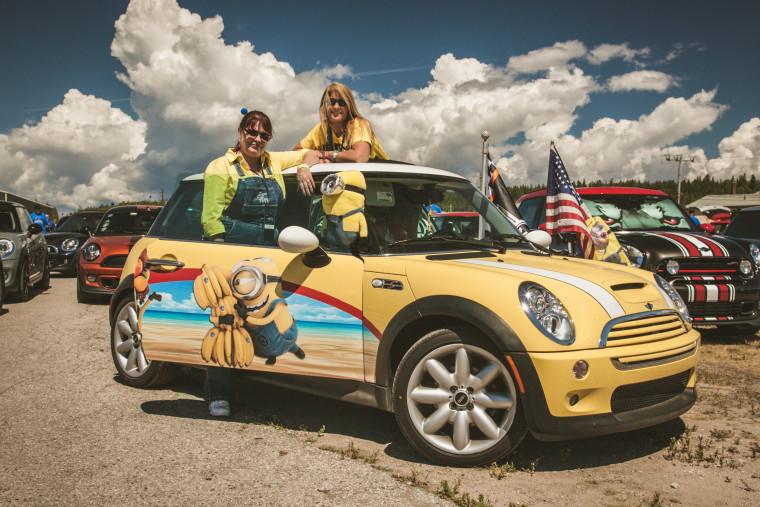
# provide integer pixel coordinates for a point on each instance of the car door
(37, 246)
(325, 303)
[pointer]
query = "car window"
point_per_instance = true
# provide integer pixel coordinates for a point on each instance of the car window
(181, 217)
(24, 219)
(126, 221)
(638, 212)
(75, 222)
(8, 222)
(533, 212)
(744, 225)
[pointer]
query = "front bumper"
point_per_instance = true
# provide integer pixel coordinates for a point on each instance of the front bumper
(626, 388)
(62, 262)
(10, 273)
(96, 279)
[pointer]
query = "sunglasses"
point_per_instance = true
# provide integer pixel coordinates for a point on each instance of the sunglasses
(340, 102)
(252, 133)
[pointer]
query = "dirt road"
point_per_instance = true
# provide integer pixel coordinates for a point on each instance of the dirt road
(71, 433)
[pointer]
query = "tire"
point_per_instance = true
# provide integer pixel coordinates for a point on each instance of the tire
(444, 410)
(23, 292)
(44, 282)
(82, 296)
(127, 352)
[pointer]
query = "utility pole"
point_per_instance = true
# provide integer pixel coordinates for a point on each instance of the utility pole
(679, 159)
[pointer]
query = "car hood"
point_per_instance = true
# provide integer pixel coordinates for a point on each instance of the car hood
(56, 238)
(115, 242)
(659, 245)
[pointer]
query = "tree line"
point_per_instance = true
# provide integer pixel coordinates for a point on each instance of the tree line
(691, 189)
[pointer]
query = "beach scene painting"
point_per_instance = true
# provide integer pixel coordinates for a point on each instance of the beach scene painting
(331, 338)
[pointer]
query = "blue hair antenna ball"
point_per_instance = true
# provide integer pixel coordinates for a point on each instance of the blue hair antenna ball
(244, 111)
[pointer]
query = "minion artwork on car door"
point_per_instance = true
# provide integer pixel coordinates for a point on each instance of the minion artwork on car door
(248, 317)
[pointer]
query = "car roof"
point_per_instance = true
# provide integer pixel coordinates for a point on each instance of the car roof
(602, 190)
(366, 168)
(749, 209)
(11, 203)
(135, 207)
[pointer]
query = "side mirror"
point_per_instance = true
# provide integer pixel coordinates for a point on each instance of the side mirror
(708, 228)
(86, 230)
(539, 237)
(296, 239)
(34, 229)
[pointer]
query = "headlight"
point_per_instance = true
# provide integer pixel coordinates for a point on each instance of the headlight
(745, 267)
(69, 245)
(754, 251)
(6, 247)
(635, 255)
(673, 295)
(547, 313)
(91, 252)
(672, 267)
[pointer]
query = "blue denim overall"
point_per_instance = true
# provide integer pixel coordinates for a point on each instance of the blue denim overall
(250, 216)
(269, 343)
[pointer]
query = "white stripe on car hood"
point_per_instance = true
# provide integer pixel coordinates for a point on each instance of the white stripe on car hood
(602, 295)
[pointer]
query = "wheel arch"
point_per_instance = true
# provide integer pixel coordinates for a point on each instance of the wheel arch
(435, 312)
(126, 286)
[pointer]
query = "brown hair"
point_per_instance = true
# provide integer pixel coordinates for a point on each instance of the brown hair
(249, 119)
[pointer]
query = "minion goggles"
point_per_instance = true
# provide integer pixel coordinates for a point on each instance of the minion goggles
(248, 281)
(334, 185)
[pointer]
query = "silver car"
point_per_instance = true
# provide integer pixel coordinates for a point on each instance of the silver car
(23, 250)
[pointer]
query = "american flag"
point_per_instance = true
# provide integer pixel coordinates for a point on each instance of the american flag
(497, 193)
(565, 210)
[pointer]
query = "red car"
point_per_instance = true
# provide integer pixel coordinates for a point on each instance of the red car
(102, 257)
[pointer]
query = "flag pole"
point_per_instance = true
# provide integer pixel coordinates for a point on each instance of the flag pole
(484, 169)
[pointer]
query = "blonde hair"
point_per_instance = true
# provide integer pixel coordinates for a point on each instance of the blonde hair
(353, 112)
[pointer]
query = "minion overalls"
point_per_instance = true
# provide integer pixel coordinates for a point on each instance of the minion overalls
(250, 216)
(269, 343)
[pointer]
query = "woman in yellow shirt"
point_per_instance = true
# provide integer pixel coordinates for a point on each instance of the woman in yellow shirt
(342, 135)
(244, 189)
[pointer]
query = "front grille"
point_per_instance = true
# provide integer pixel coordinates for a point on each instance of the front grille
(646, 394)
(114, 261)
(642, 328)
(703, 266)
(717, 309)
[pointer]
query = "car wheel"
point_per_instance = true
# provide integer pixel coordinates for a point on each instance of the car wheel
(22, 294)
(455, 400)
(44, 282)
(127, 352)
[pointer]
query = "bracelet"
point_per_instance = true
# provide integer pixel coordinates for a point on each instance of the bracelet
(335, 156)
(301, 166)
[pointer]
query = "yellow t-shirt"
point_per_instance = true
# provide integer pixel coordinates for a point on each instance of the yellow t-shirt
(316, 140)
(221, 179)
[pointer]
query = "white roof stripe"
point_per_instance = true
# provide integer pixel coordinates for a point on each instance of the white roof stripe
(599, 293)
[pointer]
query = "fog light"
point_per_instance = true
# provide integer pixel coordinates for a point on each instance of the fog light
(580, 369)
(745, 267)
(573, 400)
(672, 267)
(92, 278)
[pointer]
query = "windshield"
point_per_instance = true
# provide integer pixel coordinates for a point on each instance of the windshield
(402, 215)
(75, 222)
(130, 221)
(634, 212)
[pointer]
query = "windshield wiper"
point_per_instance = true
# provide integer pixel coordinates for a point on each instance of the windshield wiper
(523, 239)
(479, 244)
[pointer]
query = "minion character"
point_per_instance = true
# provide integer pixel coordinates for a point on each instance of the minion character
(267, 319)
(343, 203)
(606, 246)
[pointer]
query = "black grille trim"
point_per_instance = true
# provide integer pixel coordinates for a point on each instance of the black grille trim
(114, 261)
(646, 394)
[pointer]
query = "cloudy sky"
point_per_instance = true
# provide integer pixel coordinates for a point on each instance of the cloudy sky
(109, 101)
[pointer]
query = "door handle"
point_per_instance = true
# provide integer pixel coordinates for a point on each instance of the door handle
(163, 265)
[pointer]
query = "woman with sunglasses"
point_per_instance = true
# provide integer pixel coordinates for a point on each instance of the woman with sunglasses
(243, 189)
(342, 135)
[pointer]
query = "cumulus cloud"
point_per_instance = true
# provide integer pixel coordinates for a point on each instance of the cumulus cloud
(605, 52)
(648, 80)
(188, 85)
(559, 55)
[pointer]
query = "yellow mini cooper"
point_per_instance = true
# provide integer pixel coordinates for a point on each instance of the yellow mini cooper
(471, 336)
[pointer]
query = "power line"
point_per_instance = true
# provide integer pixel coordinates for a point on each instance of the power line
(680, 160)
